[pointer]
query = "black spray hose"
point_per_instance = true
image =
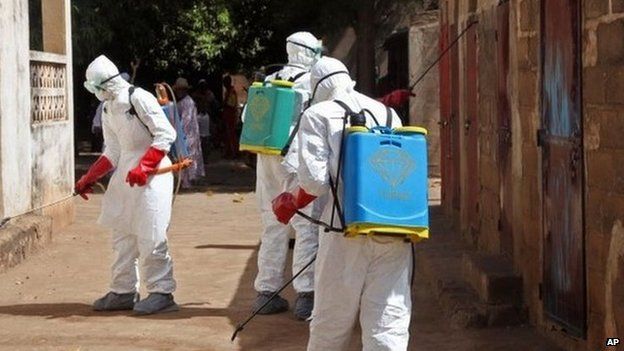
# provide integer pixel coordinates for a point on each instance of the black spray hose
(242, 325)
(336, 206)
(328, 228)
(451, 45)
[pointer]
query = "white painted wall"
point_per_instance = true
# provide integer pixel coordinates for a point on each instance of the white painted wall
(36, 162)
(15, 136)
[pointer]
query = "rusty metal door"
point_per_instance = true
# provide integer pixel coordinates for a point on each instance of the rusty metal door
(445, 109)
(471, 131)
(562, 166)
(454, 120)
(504, 128)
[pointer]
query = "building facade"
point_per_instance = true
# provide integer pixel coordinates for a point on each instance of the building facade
(36, 115)
(532, 111)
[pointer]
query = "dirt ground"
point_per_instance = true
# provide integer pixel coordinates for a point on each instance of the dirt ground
(45, 301)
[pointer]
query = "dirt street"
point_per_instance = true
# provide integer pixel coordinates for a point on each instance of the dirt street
(45, 303)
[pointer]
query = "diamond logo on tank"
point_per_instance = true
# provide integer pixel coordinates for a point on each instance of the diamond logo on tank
(259, 109)
(393, 166)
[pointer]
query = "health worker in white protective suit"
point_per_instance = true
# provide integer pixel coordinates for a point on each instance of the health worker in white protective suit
(137, 203)
(273, 178)
(360, 276)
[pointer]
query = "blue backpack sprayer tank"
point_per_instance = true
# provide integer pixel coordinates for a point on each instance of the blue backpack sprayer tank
(384, 171)
(271, 109)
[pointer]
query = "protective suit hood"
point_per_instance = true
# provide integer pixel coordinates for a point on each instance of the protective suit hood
(104, 79)
(330, 79)
(303, 49)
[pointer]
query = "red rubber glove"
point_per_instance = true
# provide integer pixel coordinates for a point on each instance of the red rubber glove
(146, 167)
(97, 170)
(396, 98)
(285, 205)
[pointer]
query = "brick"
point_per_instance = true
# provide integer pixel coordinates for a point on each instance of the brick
(533, 236)
(489, 175)
(612, 129)
(615, 83)
(595, 330)
(610, 43)
(594, 85)
(527, 89)
(596, 8)
(600, 172)
(528, 125)
(530, 155)
(593, 217)
(596, 287)
(612, 209)
(488, 142)
(591, 132)
(597, 244)
(528, 15)
(605, 171)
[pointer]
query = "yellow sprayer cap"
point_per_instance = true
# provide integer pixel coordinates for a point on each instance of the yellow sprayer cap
(411, 130)
(357, 129)
(283, 83)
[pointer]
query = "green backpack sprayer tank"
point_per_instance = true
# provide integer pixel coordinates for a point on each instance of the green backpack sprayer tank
(271, 109)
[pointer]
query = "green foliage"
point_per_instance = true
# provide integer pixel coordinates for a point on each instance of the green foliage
(170, 37)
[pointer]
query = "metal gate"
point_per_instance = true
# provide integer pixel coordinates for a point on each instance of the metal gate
(562, 159)
(445, 109)
(471, 131)
(454, 120)
(504, 128)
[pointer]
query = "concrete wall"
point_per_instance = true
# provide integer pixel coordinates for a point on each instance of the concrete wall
(425, 105)
(424, 109)
(603, 124)
(15, 146)
(36, 164)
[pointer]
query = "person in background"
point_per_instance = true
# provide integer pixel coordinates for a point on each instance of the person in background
(230, 119)
(206, 101)
(188, 115)
(274, 174)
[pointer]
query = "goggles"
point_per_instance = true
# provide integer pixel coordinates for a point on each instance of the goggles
(317, 51)
(93, 87)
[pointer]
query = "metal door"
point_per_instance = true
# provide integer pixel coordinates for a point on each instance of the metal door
(504, 128)
(562, 165)
(471, 131)
(454, 119)
(445, 108)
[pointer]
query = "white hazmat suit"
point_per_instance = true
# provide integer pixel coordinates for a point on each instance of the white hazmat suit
(273, 178)
(362, 276)
(139, 216)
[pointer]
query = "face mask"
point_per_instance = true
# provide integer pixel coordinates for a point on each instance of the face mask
(101, 95)
(324, 78)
